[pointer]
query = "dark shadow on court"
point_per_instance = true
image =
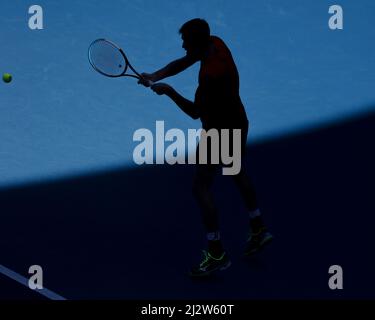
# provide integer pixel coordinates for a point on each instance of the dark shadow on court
(133, 234)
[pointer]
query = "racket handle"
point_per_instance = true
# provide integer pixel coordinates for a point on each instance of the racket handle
(144, 81)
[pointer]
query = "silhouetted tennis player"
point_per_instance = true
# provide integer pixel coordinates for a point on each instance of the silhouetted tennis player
(218, 105)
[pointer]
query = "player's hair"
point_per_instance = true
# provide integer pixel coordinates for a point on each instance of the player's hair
(197, 31)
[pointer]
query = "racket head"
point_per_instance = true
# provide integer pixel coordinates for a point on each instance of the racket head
(107, 58)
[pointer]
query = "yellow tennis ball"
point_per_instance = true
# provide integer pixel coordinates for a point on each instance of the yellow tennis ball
(7, 77)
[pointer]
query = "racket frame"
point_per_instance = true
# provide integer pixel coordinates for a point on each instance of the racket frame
(127, 63)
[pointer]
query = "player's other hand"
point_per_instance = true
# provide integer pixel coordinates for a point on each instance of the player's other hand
(162, 88)
(147, 79)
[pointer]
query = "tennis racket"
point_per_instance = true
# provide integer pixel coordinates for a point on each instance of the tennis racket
(110, 60)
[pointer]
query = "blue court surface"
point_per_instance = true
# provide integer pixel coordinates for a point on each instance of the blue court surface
(73, 201)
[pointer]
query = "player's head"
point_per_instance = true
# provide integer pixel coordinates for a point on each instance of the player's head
(195, 36)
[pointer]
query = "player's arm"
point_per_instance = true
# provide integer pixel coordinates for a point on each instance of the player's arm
(169, 70)
(184, 104)
(174, 67)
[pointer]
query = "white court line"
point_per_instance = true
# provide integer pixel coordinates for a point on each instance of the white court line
(22, 280)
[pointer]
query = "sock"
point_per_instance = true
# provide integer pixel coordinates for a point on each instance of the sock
(253, 214)
(213, 236)
(256, 221)
(215, 247)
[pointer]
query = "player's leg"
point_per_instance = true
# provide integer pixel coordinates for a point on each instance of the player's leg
(258, 234)
(202, 184)
(248, 193)
(215, 257)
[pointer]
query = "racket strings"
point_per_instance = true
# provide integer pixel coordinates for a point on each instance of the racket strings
(106, 58)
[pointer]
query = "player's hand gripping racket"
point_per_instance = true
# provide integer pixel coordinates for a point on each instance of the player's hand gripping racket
(110, 60)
